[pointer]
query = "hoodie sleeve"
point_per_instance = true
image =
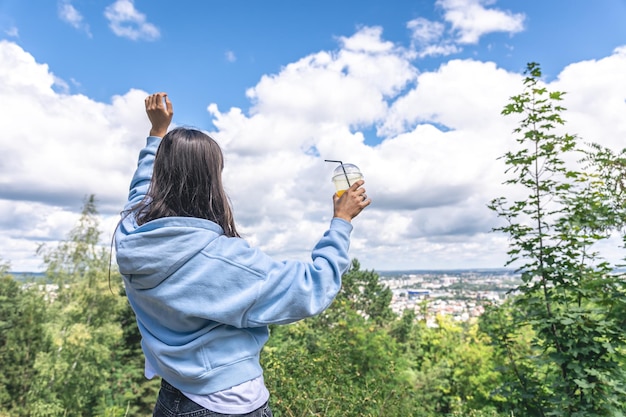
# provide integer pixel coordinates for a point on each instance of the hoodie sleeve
(292, 291)
(250, 289)
(143, 174)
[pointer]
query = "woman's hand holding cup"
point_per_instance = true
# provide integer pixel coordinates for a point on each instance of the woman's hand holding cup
(351, 202)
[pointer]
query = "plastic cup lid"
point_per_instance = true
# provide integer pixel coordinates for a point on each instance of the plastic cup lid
(349, 169)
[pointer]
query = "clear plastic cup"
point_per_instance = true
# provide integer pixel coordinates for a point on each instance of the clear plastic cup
(344, 176)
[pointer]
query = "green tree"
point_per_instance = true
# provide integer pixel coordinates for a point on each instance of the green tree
(513, 358)
(22, 314)
(570, 296)
(137, 392)
(359, 359)
(341, 363)
(83, 373)
(366, 294)
(451, 368)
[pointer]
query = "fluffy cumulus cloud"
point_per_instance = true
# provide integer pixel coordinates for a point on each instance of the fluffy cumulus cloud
(428, 38)
(428, 183)
(596, 99)
(57, 149)
(464, 22)
(430, 178)
(127, 22)
(470, 19)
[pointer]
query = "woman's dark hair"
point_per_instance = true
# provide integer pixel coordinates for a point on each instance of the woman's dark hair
(187, 181)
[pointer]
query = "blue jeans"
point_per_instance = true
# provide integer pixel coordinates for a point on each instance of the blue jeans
(172, 403)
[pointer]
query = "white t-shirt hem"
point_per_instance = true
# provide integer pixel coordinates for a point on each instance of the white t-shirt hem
(240, 399)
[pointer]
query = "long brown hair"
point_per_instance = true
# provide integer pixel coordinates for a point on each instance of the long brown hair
(187, 181)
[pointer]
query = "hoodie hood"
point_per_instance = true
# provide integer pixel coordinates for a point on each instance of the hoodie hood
(148, 254)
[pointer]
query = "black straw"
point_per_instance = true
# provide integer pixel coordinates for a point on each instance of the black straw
(343, 168)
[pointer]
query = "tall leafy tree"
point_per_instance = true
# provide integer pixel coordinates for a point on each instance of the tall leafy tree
(22, 315)
(570, 296)
(135, 392)
(366, 294)
(82, 374)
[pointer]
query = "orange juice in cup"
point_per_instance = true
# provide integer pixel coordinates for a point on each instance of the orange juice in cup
(344, 176)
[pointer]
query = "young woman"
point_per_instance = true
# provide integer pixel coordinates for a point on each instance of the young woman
(203, 298)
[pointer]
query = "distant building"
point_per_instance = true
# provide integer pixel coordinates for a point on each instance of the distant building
(413, 294)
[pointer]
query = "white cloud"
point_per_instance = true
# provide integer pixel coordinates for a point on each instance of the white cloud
(436, 98)
(596, 99)
(465, 21)
(69, 119)
(68, 13)
(425, 31)
(20, 72)
(430, 178)
(128, 22)
(428, 38)
(470, 19)
(348, 88)
(444, 49)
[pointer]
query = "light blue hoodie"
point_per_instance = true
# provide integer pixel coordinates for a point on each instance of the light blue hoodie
(203, 301)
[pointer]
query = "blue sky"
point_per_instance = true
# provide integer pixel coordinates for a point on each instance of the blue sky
(397, 87)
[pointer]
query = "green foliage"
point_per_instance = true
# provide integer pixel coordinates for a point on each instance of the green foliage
(136, 392)
(570, 298)
(520, 388)
(85, 370)
(22, 314)
(359, 359)
(365, 294)
(80, 256)
(341, 363)
(452, 368)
